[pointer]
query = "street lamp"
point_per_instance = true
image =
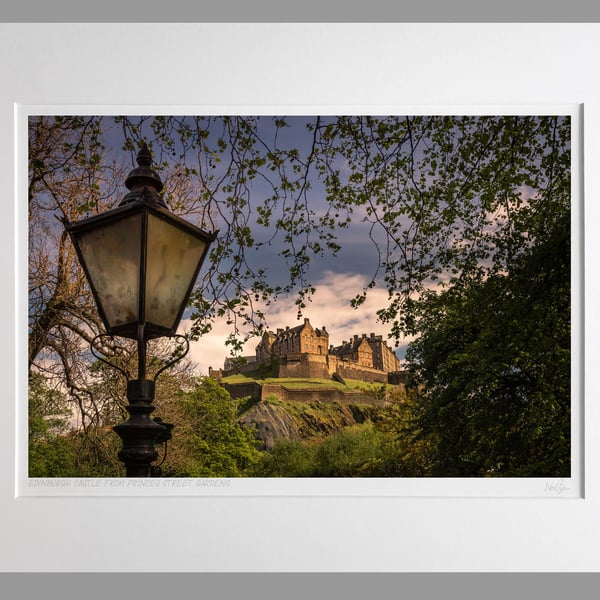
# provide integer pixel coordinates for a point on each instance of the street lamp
(141, 262)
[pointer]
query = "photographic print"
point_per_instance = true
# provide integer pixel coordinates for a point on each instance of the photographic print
(252, 296)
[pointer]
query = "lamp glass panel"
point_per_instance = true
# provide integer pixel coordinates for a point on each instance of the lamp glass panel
(173, 256)
(112, 257)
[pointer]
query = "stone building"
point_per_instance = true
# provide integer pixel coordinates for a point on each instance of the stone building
(357, 351)
(263, 350)
(384, 358)
(304, 351)
(303, 339)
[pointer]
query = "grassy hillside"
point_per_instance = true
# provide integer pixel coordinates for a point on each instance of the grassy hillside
(276, 419)
(319, 419)
(306, 383)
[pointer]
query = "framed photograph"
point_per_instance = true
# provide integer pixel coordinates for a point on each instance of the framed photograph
(449, 234)
(389, 309)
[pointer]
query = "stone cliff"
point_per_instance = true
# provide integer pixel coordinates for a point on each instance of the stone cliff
(274, 419)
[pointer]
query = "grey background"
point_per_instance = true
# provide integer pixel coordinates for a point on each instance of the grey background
(299, 586)
(277, 11)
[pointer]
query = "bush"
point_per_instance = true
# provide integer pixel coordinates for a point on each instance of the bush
(209, 441)
(358, 451)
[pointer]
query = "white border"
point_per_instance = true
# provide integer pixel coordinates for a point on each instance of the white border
(300, 65)
(422, 487)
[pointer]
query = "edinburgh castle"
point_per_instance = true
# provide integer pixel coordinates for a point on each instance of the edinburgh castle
(304, 352)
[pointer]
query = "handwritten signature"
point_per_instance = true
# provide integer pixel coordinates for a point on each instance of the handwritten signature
(556, 487)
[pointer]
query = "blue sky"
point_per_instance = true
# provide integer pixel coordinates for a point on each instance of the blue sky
(337, 279)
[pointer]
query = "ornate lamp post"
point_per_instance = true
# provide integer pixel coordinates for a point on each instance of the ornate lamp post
(141, 262)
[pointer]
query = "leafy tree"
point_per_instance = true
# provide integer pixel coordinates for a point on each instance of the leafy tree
(355, 451)
(289, 458)
(48, 408)
(69, 175)
(408, 452)
(49, 452)
(208, 441)
(54, 456)
(446, 199)
(441, 198)
(494, 366)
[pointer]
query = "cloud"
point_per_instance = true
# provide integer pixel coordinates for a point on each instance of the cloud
(330, 308)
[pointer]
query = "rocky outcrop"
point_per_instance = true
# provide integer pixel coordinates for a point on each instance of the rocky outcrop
(274, 420)
(319, 420)
(271, 423)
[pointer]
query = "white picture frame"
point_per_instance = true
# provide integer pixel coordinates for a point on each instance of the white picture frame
(480, 65)
(507, 487)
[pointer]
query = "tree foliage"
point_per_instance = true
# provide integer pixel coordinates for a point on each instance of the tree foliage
(208, 441)
(353, 452)
(448, 199)
(442, 198)
(55, 449)
(494, 366)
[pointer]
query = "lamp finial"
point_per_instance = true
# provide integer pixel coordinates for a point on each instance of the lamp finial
(144, 178)
(144, 158)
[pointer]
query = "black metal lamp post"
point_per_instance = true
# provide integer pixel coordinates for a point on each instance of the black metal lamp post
(141, 262)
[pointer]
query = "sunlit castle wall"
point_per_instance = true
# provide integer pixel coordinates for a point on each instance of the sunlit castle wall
(313, 366)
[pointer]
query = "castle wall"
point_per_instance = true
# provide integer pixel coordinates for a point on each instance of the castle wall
(283, 393)
(314, 395)
(248, 389)
(310, 366)
(352, 371)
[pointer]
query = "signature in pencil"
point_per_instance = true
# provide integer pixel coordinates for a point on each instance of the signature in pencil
(556, 487)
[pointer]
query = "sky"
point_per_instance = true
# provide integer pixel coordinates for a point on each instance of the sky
(337, 279)
(329, 308)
